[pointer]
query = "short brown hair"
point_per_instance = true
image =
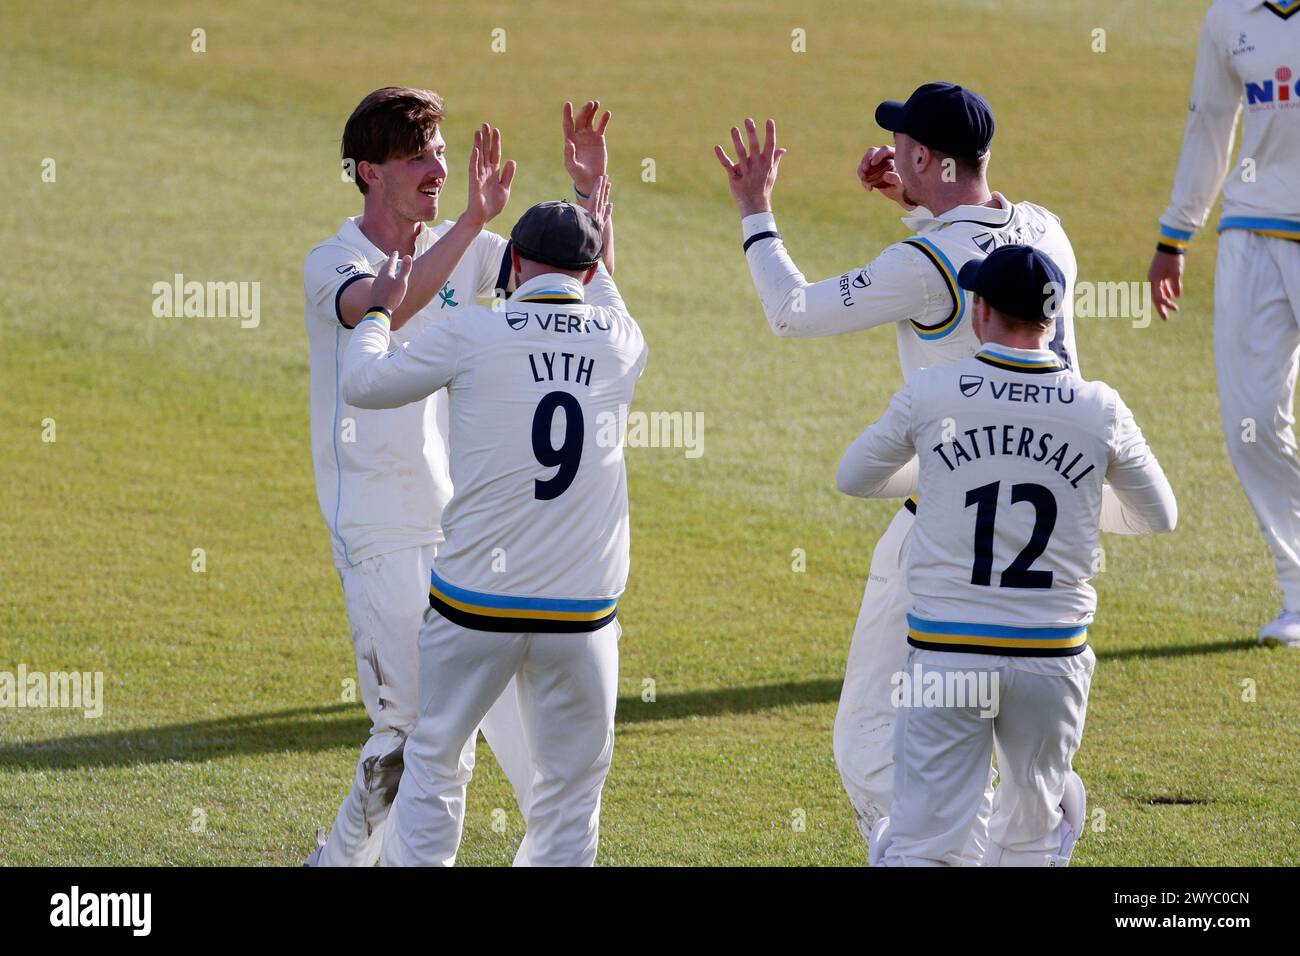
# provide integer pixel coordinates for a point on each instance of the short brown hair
(391, 122)
(970, 165)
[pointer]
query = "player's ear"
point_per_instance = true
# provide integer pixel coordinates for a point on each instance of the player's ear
(369, 175)
(921, 156)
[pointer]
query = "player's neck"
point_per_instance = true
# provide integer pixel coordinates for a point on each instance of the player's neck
(961, 194)
(388, 231)
(1016, 340)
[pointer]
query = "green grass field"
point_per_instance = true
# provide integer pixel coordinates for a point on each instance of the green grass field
(223, 689)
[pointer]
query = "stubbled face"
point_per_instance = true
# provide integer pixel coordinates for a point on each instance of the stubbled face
(905, 165)
(411, 186)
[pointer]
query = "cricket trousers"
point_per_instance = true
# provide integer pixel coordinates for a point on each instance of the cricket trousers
(1256, 353)
(386, 598)
(1035, 725)
(567, 688)
(863, 739)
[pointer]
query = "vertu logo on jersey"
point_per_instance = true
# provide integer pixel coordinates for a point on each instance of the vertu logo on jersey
(846, 297)
(970, 384)
(862, 280)
(1276, 90)
(516, 320)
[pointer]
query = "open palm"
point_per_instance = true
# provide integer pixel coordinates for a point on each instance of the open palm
(585, 155)
(489, 181)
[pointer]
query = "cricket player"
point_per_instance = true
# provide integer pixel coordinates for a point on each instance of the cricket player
(382, 476)
(1250, 50)
(937, 171)
(1012, 447)
(527, 584)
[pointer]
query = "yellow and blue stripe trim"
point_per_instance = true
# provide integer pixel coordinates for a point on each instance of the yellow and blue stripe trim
(1039, 364)
(379, 314)
(1278, 228)
(949, 275)
(1173, 240)
(1283, 8)
(968, 638)
(481, 611)
(552, 296)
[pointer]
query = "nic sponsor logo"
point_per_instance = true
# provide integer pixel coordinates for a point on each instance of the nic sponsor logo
(1277, 93)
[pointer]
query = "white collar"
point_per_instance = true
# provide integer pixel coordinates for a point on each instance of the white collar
(1019, 360)
(351, 231)
(921, 220)
(551, 287)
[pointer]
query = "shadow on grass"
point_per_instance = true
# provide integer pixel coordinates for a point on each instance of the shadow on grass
(1176, 650)
(311, 729)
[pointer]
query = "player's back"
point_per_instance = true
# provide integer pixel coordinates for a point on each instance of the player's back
(1013, 451)
(972, 232)
(539, 508)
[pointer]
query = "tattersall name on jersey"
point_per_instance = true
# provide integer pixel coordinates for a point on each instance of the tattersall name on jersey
(1014, 440)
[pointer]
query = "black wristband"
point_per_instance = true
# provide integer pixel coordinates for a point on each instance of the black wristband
(1171, 250)
(770, 234)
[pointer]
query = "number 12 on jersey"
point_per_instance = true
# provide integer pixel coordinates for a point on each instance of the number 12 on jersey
(1019, 573)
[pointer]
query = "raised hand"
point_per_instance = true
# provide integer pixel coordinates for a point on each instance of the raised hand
(389, 288)
(585, 155)
(753, 175)
(489, 181)
(877, 171)
(598, 203)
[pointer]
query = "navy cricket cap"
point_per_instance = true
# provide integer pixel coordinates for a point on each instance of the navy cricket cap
(943, 116)
(559, 234)
(1019, 281)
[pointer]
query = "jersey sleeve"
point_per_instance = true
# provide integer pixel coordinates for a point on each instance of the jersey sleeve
(897, 286)
(1143, 502)
(375, 377)
(328, 271)
(1207, 140)
(491, 254)
(881, 462)
(601, 290)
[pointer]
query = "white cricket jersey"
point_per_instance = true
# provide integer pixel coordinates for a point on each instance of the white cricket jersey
(381, 476)
(537, 530)
(1013, 449)
(912, 284)
(1249, 55)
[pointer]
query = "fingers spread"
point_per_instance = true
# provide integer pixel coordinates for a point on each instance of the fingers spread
(724, 159)
(508, 173)
(604, 121)
(739, 144)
